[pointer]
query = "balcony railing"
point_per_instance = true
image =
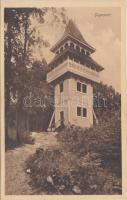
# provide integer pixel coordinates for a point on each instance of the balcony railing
(75, 68)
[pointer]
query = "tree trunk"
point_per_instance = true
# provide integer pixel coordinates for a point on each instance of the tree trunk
(22, 125)
(7, 81)
(27, 123)
(25, 38)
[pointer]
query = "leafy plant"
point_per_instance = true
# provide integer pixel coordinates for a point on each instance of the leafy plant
(84, 163)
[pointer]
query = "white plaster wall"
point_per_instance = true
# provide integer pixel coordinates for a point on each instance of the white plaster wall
(61, 102)
(83, 100)
(68, 101)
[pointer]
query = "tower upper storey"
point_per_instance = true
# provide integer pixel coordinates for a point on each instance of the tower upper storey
(73, 55)
(73, 34)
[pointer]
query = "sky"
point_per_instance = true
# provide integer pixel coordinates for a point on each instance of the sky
(101, 28)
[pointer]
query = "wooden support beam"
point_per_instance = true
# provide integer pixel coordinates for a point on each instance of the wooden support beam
(50, 124)
(95, 117)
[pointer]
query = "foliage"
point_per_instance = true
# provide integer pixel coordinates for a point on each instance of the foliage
(106, 101)
(87, 161)
(22, 69)
(104, 139)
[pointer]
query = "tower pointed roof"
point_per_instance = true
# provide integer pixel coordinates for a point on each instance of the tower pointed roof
(72, 31)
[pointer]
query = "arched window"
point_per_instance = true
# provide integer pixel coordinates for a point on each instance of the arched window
(72, 45)
(77, 48)
(61, 49)
(82, 51)
(87, 53)
(66, 45)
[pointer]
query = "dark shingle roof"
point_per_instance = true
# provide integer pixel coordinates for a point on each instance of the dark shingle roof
(73, 31)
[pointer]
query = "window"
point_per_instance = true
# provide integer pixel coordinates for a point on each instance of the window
(77, 48)
(66, 45)
(62, 117)
(82, 51)
(84, 88)
(72, 45)
(84, 112)
(79, 86)
(61, 49)
(81, 112)
(87, 53)
(61, 87)
(78, 111)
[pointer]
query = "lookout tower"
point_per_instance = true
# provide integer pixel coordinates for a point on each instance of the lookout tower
(73, 73)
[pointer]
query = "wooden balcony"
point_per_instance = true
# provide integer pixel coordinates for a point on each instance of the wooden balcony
(74, 68)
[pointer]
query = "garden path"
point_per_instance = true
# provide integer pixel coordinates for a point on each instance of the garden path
(16, 179)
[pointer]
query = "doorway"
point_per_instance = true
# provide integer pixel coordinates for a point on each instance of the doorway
(62, 118)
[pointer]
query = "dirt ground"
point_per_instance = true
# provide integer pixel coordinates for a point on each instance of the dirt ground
(16, 179)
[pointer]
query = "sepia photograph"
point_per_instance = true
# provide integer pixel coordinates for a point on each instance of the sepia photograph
(62, 97)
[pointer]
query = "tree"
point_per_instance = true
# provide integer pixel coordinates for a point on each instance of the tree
(12, 23)
(106, 101)
(19, 41)
(40, 97)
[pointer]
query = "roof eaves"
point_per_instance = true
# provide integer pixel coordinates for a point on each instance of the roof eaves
(83, 43)
(95, 63)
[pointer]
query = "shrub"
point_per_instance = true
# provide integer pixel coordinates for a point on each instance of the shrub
(104, 139)
(58, 172)
(84, 162)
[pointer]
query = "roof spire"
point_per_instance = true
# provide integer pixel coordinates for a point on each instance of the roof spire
(72, 30)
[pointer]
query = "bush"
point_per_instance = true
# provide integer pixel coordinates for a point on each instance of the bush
(84, 163)
(57, 172)
(104, 139)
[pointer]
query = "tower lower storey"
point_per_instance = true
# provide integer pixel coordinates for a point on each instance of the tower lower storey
(73, 103)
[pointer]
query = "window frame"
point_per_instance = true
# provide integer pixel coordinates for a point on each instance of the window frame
(61, 88)
(79, 107)
(78, 82)
(83, 84)
(83, 112)
(81, 88)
